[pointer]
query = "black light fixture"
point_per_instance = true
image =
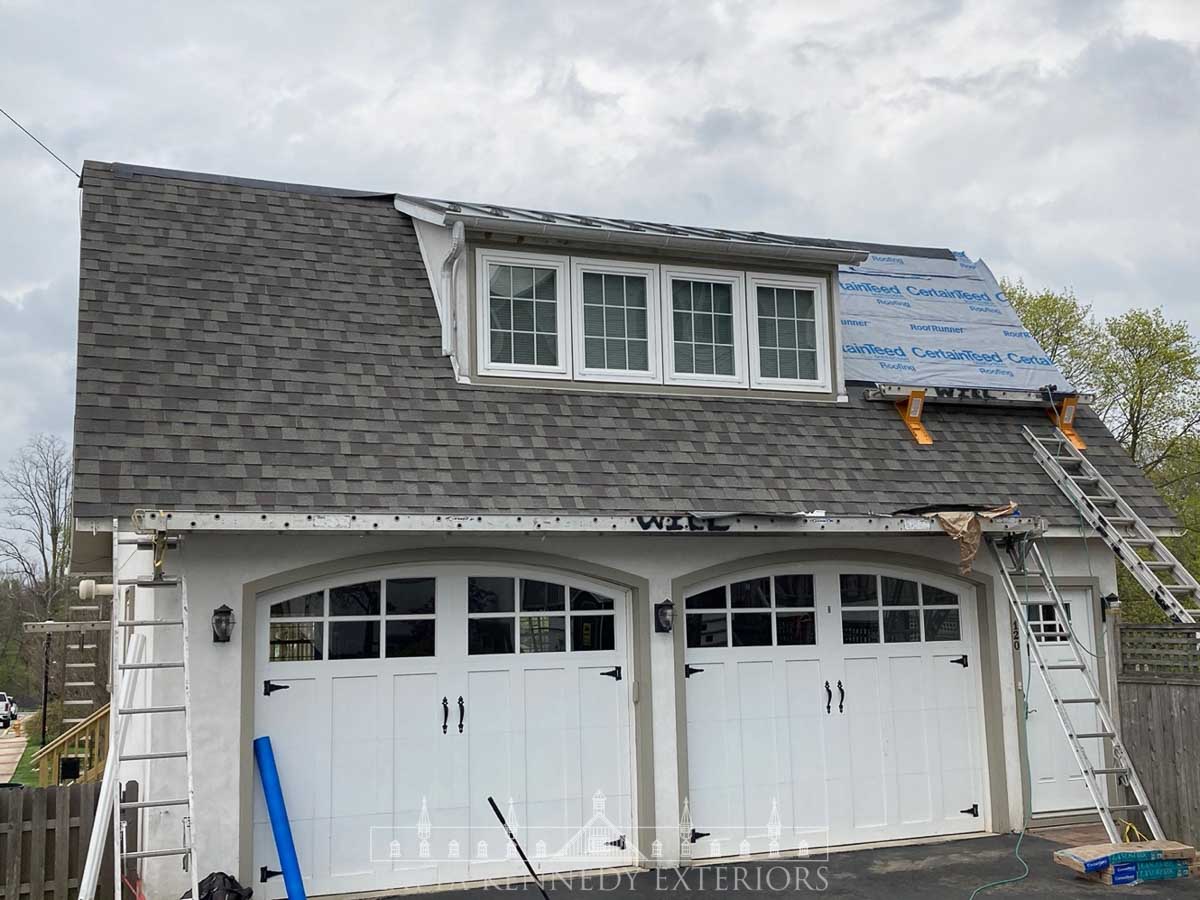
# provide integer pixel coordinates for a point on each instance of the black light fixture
(664, 616)
(1107, 602)
(222, 624)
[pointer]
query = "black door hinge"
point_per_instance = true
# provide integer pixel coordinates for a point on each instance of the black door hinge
(614, 672)
(689, 671)
(270, 687)
(960, 660)
(619, 843)
(972, 810)
(265, 874)
(696, 835)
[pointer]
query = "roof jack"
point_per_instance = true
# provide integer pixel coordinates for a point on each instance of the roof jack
(458, 246)
(1062, 414)
(910, 410)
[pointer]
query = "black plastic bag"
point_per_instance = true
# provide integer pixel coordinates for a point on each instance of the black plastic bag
(219, 886)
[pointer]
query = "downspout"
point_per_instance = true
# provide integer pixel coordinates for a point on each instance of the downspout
(458, 246)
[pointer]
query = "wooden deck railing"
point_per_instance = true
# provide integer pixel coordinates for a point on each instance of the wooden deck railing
(86, 742)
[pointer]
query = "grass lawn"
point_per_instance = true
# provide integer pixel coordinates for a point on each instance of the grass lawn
(27, 773)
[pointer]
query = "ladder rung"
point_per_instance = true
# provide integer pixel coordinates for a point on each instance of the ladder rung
(79, 703)
(1120, 770)
(1085, 479)
(1140, 542)
(1158, 564)
(150, 710)
(148, 543)
(1063, 666)
(1124, 521)
(88, 665)
(1127, 806)
(146, 854)
(79, 684)
(148, 804)
(81, 646)
(166, 754)
(136, 623)
(1101, 499)
(150, 665)
(94, 609)
(1088, 735)
(1080, 700)
(1179, 588)
(1067, 459)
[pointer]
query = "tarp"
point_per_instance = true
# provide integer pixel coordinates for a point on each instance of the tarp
(937, 323)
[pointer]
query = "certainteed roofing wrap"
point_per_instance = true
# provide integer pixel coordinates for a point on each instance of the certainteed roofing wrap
(250, 346)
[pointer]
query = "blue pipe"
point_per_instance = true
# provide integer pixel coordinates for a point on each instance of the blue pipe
(280, 826)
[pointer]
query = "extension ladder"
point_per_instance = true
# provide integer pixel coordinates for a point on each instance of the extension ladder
(1013, 555)
(1115, 523)
(127, 661)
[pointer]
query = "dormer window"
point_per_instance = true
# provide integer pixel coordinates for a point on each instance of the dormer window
(546, 316)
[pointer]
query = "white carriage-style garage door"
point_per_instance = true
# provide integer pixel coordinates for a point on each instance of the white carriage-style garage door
(397, 702)
(831, 705)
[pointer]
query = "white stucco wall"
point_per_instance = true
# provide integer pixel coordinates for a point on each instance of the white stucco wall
(218, 567)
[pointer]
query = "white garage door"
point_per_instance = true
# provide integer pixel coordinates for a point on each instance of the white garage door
(398, 702)
(830, 705)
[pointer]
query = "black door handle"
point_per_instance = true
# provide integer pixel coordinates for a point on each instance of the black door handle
(828, 698)
(462, 712)
(841, 698)
(445, 713)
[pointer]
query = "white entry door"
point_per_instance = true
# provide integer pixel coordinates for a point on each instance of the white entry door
(830, 705)
(1057, 784)
(399, 702)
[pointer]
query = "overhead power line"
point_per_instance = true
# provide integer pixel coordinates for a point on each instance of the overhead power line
(33, 138)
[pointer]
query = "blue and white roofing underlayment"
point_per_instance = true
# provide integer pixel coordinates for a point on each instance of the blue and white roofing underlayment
(937, 323)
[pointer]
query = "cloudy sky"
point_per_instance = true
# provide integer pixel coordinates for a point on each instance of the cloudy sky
(1058, 140)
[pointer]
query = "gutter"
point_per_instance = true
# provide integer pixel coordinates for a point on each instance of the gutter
(651, 522)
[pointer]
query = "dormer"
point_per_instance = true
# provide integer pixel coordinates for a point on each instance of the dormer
(527, 296)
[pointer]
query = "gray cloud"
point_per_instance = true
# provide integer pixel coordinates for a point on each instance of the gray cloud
(1058, 141)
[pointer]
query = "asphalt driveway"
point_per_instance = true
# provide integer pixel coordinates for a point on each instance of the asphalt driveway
(930, 871)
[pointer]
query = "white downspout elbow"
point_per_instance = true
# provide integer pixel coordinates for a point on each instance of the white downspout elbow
(458, 246)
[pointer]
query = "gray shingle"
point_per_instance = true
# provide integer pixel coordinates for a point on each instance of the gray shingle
(249, 347)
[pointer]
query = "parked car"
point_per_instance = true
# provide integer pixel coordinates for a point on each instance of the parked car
(8, 710)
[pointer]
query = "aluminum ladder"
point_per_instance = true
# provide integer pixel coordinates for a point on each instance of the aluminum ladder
(124, 619)
(1115, 523)
(1014, 556)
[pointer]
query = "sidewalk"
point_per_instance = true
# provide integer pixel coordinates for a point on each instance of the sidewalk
(11, 748)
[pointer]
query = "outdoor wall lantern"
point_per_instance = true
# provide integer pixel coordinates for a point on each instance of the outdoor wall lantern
(664, 616)
(222, 624)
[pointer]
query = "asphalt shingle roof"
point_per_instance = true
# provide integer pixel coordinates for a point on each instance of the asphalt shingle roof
(253, 347)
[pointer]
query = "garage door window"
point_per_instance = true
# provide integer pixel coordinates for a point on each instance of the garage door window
(524, 615)
(756, 612)
(297, 630)
(348, 621)
(896, 609)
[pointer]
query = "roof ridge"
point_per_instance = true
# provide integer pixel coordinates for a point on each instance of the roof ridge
(129, 170)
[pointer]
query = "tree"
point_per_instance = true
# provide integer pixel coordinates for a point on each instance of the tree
(35, 538)
(1148, 384)
(35, 546)
(1064, 328)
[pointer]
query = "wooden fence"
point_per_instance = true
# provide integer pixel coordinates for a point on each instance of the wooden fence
(1158, 684)
(44, 835)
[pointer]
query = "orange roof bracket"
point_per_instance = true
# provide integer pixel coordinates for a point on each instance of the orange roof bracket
(910, 410)
(1063, 416)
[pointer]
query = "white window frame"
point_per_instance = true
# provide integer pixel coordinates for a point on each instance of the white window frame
(737, 280)
(653, 375)
(822, 383)
(561, 264)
